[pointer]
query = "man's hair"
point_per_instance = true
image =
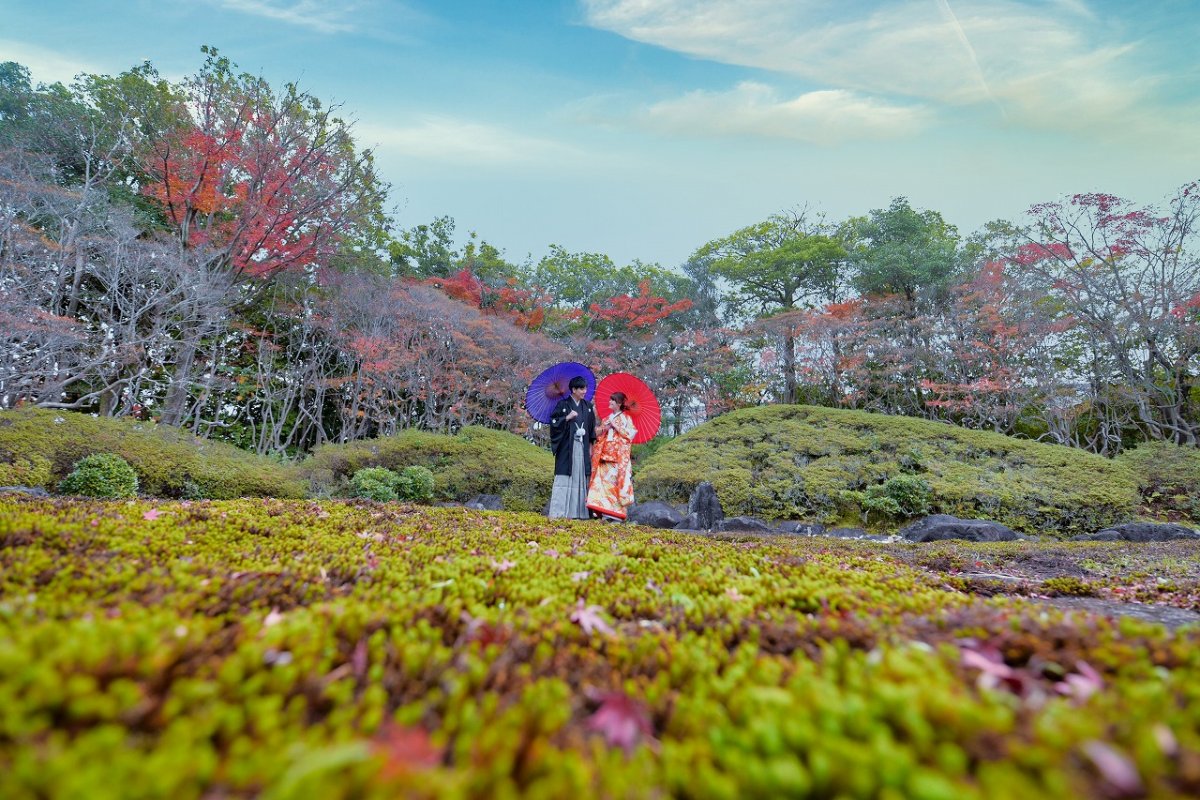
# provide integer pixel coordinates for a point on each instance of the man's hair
(577, 382)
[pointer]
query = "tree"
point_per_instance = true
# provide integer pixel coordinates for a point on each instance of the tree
(777, 266)
(1129, 278)
(899, 250)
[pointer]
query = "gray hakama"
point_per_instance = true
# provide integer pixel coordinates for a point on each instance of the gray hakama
(568, 497)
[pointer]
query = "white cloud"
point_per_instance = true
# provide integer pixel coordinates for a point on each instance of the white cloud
(458, 141)
(822, 117)
(45, 65)
(322, 17)
(1015, 54)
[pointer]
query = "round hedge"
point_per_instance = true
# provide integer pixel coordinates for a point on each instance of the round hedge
(474, 461)
(103, 475)
(805, 462)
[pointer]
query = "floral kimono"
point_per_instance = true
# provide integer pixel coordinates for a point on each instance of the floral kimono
(611, 491)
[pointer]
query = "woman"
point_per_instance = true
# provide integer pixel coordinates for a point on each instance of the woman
(611, 492)
(572, 431)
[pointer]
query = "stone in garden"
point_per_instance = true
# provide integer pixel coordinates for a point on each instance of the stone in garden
(33, 491)
(846, 533)
(654, 513)
(750, 524)
(938, 527)
(802, 528)
(485, 502)
(705, 506)
(1141, 532)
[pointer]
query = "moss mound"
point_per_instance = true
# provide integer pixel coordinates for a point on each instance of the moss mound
(1168, 476)
(40, 448)
(820, 463)
(293, 649)
(475, 461)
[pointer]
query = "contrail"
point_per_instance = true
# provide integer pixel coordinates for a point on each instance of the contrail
(948, 12)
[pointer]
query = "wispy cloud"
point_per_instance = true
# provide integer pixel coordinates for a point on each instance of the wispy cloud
(44, 64)
(459, 141)
(1017, 54)
(322, 17)
(755, 109)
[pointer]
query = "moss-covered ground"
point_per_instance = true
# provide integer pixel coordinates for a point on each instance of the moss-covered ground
(821, 464)
(280, 648)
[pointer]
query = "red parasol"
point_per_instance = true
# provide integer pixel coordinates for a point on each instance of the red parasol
(640, 403)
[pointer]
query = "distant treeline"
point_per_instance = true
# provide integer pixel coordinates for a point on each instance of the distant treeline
(216, 254)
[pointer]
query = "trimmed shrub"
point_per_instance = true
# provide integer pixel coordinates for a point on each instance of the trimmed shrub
(39, 447)
(101, 475)
(805, 462)
(415, 484)
(374, 483)
(898, 497)
(1168, 477)
(475, 461)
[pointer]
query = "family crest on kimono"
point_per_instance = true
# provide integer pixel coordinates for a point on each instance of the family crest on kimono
(572, 432)
(611, 492)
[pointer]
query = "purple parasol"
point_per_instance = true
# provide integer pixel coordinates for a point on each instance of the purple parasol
(552, 385)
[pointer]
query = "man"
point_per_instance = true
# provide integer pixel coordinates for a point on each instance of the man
(572, 431)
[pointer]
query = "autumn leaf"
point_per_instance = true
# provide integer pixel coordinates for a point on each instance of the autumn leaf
(405, 750)
(622, 721)
(1115, 767)
(152, 515)
(588, 618)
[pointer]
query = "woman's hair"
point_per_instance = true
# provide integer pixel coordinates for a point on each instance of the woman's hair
(577, 383)
(620, 398)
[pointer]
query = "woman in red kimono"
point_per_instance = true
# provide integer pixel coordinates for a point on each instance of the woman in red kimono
(611, 491)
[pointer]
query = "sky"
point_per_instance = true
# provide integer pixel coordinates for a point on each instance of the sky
(643, 129)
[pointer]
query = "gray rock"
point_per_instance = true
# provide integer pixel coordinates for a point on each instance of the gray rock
(32, 491)
(485, 502)
(751, 524)
(938, 527)
(705, 506)
(846, 533)
(1141, 532)
(802, 528)
(656, 514)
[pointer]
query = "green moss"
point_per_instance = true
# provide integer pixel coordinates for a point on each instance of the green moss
(1168, 477)
(39, 447)
(787, 461)
(296, 649)
(475, 461)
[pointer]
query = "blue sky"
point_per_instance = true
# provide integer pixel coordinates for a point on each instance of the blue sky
(645, 128)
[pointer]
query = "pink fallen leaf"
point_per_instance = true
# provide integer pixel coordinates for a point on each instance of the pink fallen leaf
(1166, 740)
(358, 659)
(622, 721)
(588, 618)
(1115, 767)
(152, 515)
(503, 566)
(1082, 684)
(272, 619)
(576, 577)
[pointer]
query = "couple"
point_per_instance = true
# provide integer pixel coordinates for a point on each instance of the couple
(591, 464)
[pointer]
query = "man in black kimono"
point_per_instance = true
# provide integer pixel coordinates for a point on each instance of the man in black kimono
(572, 431)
